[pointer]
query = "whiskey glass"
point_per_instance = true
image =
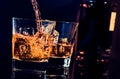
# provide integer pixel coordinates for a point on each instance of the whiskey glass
(30, 48)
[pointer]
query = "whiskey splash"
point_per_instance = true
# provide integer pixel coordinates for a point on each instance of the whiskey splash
(33, 48)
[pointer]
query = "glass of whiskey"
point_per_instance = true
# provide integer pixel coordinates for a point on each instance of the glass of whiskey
(31, 48)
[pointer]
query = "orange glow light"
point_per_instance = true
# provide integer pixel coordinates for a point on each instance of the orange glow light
(112, 21)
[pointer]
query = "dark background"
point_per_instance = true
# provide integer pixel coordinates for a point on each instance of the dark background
(59, 10)
(114, 65)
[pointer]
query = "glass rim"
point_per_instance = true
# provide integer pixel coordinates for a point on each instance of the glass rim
(45, 20)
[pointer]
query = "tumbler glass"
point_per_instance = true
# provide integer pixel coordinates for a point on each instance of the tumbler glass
(30, 48)
(60, 59)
